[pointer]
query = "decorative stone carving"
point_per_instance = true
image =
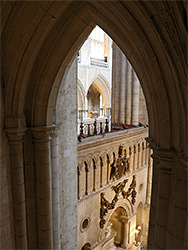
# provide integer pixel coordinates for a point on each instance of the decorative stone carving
(118, 189)
(120, 166)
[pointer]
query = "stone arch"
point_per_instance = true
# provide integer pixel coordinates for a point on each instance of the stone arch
(81, 95)
(86, 246)
(43, 78)
(102, 85)
(128, 212)
(157, 55)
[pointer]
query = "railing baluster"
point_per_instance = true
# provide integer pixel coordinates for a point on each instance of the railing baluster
(106, 126)
(95, 127)
(81, 129)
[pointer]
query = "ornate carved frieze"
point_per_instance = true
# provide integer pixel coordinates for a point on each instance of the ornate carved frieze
(118, 189)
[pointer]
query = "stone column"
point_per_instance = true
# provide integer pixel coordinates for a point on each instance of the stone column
(125, 232)
(15, 136)
(78, 182)
(86, 107)
(101, 173)
(108, 171)
(135, 98)
(134, 158)
(116, 86)
(101, 106)
(42, 159)
(138, 161)
(86, 179)
(55, 170)
(169, 200)
(130, 159)
(142, 155)
(129, 71)
(123, 84)
(149, 179)
(125, 90)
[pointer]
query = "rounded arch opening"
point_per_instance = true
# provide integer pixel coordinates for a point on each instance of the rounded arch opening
(86, 246)
(118, 224)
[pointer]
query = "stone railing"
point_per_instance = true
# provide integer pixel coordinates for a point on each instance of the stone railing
(99, 63)
(92, 126)
(96, 156)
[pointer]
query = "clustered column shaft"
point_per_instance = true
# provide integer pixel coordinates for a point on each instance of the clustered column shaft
(18, 186)
(42, 159)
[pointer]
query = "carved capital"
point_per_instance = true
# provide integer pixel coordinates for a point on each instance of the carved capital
(15, 135)
(42, 134)
(124, 219)
(55, 131)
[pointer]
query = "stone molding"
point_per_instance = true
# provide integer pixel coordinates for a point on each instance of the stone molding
(15, 135)
(43, 133)
(165, 156)
(112, 138)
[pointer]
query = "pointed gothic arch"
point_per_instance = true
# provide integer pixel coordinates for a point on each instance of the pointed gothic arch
(102, 85)
(81, 95)
(34, 64)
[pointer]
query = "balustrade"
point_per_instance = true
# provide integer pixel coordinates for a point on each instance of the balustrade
(90, 127)
(97, 157)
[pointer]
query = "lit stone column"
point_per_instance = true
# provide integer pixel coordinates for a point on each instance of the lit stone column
(138, 161)
(97, 174)
(90, 178)
(108, 171)
(149, 179)
(101, 106)
(123, 93)
(86, 107)
(130, 159)
(15, 136)
(135, 98)
(129, 72)
(78, 182)
(55, 189)
(125, 232)
(82, 182)
(134, 157)
(142, 157)
(104, 176)
(42, 156)
(153, 207)
(116, 85)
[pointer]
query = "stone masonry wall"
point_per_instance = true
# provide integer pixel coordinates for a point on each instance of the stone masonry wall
(66, 118)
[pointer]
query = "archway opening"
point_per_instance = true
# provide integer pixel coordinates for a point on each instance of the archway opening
(94, 102)
(118, 225)
(86, 246)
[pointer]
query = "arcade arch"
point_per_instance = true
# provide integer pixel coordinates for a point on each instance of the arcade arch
(32, 82)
